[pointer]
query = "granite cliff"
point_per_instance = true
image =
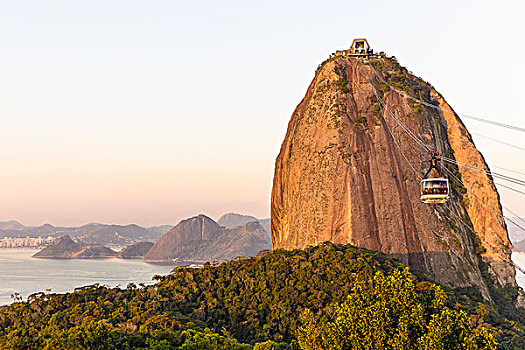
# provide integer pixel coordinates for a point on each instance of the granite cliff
(341, 177)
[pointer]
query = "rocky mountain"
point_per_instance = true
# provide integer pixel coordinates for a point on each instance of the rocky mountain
(135, 251)
(65, 248)
(201, 239)
(341, 176)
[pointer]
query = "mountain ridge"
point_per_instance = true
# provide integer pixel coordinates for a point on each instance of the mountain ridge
(108, 234)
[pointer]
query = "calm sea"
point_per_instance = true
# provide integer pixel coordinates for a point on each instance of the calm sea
(25, 275)
(22, 274)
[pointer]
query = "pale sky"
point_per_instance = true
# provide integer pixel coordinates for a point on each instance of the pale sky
(148, 112)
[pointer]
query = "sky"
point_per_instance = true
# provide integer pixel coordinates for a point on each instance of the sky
(149, 112)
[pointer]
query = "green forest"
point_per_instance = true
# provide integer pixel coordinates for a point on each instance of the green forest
(324, 297)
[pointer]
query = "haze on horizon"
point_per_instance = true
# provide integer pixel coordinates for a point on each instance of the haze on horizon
(150, 112)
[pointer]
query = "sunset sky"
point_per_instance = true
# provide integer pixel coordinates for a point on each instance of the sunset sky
(148, 112)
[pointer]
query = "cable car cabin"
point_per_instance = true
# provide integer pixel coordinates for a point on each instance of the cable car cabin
(435, 190)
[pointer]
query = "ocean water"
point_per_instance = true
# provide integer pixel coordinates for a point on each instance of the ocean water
(25, 275)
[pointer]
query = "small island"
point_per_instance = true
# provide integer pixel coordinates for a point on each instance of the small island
(65, 248)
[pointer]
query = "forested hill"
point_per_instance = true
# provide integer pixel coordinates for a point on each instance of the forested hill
(281, 300)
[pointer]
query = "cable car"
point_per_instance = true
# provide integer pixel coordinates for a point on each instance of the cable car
(434, 189)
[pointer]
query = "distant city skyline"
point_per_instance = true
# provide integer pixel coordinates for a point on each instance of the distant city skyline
(152, 112)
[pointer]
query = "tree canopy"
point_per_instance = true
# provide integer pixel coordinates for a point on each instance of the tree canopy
(262, 303)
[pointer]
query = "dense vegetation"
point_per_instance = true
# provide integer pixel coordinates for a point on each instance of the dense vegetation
(391, 312)
(263, 302)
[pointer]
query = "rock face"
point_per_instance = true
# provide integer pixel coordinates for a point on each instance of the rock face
(341, 177)
(135, 251)
(65, 248)
(201, 239)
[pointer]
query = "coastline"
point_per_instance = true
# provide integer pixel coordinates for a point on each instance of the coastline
(19, 273)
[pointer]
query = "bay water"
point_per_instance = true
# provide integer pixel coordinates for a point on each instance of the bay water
(20, 273)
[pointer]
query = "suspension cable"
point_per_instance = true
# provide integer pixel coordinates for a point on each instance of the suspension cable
(482, 201)
(509, 188)
(516, 215)
(418, 141)
(512, 171)
(516, 266)
(498, 141)
(496, 175)
(400, 123)
(418, 176)
(501, 176)
(517, 128)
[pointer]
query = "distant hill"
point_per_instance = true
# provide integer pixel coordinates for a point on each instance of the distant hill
(105, 234)
(159, 231)
(135, 251)
(234, 220)
(65, 248)
(202, 239)
(115, 234)
(11, 225)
